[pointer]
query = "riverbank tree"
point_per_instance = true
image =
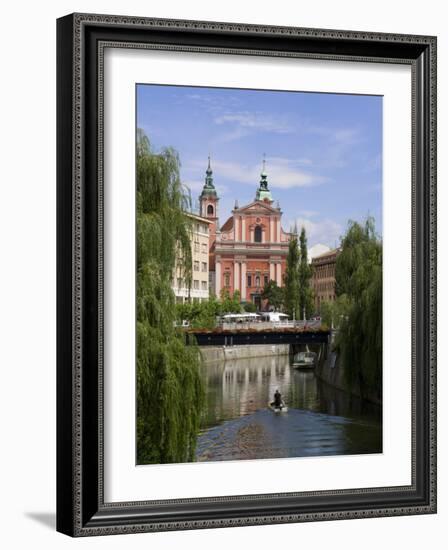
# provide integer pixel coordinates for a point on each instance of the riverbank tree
(359, 272)
(170, 394)
(291, 288)
(304, 274)
(297, 293)
(203, 314)
(230, 303)
(273, 294)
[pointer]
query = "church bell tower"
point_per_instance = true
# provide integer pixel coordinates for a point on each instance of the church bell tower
(208, 201)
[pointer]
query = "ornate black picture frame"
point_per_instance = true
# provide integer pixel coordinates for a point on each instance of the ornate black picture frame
(81, 509)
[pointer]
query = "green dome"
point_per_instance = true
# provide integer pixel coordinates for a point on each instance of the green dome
(263, 192)
(208, 189)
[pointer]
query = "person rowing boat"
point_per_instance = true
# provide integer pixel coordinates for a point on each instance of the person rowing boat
(278, 404)
(278, 401)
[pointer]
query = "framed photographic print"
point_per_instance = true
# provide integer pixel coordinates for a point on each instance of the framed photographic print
(246, 274)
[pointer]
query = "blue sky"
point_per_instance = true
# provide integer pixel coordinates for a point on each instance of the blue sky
(323, 151)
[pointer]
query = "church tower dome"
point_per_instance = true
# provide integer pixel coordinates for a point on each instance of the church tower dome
(263, 193)
(208, 208)
(208, 199)
(209, 189)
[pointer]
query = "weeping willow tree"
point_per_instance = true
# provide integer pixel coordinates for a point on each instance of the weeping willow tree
(359, 291)
(169, 389)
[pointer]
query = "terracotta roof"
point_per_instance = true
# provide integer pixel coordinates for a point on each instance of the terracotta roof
(228, 224)
(199, 218)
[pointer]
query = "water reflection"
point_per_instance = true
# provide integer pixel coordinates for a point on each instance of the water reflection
(321, 420)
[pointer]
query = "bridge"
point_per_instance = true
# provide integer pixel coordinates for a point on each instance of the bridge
(245, 337)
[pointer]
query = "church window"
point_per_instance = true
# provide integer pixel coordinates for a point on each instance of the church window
(249, 280)
(210, 210)
(257, 234)
(226, 280)
(257, 281)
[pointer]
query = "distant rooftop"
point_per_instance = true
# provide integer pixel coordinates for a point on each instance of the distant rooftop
(327, 254)
(317, 250)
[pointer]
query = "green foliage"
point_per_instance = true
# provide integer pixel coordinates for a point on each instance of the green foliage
(298, 294)
(204, 314)
(230, 304)
(291, 291)
(273, 294)
(249, 307)
(359, 307)
(200, 314)
(333, 313)
(327, 314)
(170, 395)
(305, 272)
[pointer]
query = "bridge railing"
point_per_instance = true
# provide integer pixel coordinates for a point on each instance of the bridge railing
(263, 325)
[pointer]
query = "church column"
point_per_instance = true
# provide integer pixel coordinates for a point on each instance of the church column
(236, 276)
(271, 230)
(243, 280)
(278, 230)
(237, 228)
(279, 274)
(243, 229)
(272, 271)
(218, 277)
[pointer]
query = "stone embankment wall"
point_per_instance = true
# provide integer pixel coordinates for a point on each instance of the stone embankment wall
(211, 354)
(331, 370)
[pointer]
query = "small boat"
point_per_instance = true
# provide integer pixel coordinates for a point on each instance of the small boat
(281, 409)
(304, 360)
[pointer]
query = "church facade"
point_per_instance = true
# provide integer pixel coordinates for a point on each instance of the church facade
(250, 248)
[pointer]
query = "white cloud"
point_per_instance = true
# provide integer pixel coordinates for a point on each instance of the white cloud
(214, 104)
(308, 213)
(296, 162)
(346, 136)
(283, 173)
(256, 121)
(235, 134)
(324, 231)
(335, 146)
(195, 186)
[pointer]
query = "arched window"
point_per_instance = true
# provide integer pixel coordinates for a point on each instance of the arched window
(257, 234)
(210, 210)
(257, 281)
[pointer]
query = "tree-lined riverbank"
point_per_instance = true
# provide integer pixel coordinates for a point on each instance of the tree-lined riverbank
(320, 421)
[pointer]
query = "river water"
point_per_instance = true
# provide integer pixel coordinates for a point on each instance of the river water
(320, 421)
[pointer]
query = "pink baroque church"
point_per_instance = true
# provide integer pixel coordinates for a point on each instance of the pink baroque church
(250, 248)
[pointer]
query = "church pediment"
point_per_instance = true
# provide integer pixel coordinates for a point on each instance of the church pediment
(257, 207)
